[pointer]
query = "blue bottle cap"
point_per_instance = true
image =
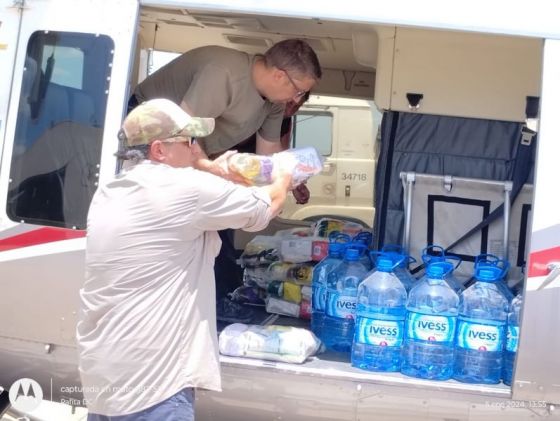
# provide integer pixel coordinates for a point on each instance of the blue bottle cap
(384, 264)
(488, 273)
(399, 259)
(438, 270)
(352, 254)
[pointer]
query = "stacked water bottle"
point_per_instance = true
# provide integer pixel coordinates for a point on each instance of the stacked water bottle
(335, 285)
(430, 328)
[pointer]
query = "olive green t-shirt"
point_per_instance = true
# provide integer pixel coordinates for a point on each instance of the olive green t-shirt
(217, 82)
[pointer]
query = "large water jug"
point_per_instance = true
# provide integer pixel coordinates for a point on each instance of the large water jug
(402, 262)
(435, 253)
(512, 338)
(380, 319)
(340, 311)
(481, 326)
(503, 265)
(363, 241)
(430, 326)
(319, 285)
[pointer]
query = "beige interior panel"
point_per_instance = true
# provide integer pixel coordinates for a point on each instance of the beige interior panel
(468, 75)
(344, 74)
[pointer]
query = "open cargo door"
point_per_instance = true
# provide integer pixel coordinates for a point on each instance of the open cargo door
(63, 74)
(537, 369)
(10, 20)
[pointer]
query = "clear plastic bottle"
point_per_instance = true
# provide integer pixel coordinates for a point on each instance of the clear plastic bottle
(430, 326)
(363, 240)
(340, 311)
(401, 261)
(319, 286)
(380, 319)
(481, 327)
(503, 265)
(512, 338)
(404, 275)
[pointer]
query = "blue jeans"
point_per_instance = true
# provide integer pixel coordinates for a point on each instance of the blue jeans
(179, 407)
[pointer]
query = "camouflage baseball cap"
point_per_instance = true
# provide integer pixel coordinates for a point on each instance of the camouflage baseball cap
(159, 119)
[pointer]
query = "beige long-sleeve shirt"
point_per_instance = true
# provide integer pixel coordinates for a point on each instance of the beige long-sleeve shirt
(147, 326)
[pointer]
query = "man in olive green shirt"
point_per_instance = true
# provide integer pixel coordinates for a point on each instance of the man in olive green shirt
(244, 94)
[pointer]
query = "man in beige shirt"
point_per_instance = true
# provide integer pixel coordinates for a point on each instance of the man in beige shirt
(147, 329)
(246, 95)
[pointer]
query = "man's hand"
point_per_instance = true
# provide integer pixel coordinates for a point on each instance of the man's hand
(219, 167)
(301, 194)
(278, 190)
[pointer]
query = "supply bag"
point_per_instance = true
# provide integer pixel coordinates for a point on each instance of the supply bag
(274, 343)
(258, 170)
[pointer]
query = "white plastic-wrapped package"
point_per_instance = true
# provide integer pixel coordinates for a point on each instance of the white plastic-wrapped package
(258, 169)
(275, 343)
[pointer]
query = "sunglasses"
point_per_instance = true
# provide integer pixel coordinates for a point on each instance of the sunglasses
(299, 92)
(189, 140)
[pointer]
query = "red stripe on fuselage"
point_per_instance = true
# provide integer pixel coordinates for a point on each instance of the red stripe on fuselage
(539, 261)
(39, 236)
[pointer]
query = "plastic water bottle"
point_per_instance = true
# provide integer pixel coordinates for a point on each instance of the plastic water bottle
(430, 326)
(504, 289)
(401, 261)
(340, 311)
(428, 258)
(512, 338)
(319, 285)
(503, 265)
(363, 241)
(481, 329)
(401, 271)
(380, 320)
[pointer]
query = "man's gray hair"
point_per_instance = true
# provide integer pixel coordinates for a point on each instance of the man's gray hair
(294, 55)
(134, 154)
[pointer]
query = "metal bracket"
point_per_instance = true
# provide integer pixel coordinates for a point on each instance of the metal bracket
(526, 138)
(554, 268)
(448, 182)
(407, 179)
(414, 100)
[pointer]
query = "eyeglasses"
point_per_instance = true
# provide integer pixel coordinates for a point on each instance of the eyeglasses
(189, 140)
(299, 92)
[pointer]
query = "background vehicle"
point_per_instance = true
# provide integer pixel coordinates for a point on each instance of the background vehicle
(70, 67)
(344, 131)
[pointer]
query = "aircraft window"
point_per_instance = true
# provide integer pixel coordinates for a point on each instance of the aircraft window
(69, 67)
(59, 128)
(313, 129)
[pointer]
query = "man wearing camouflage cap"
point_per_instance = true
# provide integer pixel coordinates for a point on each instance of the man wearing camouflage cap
(147, 329)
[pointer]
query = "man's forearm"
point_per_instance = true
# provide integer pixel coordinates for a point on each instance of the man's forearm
(267, 147)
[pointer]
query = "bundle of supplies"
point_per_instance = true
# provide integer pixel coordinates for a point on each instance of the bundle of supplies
(258, 170)
(279, 269)
(272, 278)
(274, 343)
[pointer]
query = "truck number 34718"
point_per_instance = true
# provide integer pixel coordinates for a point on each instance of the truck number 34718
(354, 176)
